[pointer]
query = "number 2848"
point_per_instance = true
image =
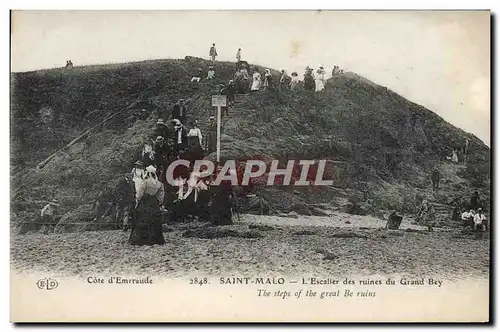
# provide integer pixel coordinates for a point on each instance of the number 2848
(198, 281)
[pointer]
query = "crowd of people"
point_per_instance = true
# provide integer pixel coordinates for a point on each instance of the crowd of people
(189, 197)
(469, 212)
(248, 79)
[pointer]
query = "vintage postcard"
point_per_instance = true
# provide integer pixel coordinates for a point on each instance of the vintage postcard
(250, 166)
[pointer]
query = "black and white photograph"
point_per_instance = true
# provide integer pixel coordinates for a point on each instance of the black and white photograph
(300, 163)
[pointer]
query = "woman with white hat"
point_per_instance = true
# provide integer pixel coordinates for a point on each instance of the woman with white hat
(257, 81)
(268, 79)
(294, 81)
(138, 171)
(320, 79)
(147, 220)
(211, 73)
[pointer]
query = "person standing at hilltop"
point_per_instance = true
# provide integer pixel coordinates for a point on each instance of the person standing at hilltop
(283, 80)
(213, 52)
(244, 72)
(294, 83)
(256, 83)
(309, 83)
(268, 80)
(238, 55)
(320, 79)
(240, 82)
(336, 70)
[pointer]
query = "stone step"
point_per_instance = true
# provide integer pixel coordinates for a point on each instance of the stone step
(240, 97)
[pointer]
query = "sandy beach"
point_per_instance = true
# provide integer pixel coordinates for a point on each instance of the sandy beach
(262, 244)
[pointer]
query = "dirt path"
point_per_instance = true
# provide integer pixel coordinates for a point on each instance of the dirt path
(259, 245)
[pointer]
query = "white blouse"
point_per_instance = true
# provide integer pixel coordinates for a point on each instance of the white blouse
(196, 132)
(150, 186)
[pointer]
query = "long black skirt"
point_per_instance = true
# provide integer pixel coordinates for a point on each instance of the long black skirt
(147, 223)
(221, 205)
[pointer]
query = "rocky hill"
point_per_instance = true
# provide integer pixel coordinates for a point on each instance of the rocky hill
(382, 148)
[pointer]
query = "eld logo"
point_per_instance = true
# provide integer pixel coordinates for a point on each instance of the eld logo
(48, 284)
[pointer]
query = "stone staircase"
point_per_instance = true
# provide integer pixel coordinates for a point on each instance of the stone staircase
(236, 111)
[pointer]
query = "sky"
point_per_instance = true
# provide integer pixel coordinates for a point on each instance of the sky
(437, 59)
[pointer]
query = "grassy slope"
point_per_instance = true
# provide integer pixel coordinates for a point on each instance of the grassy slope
(382, 142)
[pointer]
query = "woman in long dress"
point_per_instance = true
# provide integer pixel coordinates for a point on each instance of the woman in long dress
(295, 81)
(268, 79)
(146, 222)
(256, 81)
(195, 142)
(221, 213)
(320, 79)
(309, 83)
